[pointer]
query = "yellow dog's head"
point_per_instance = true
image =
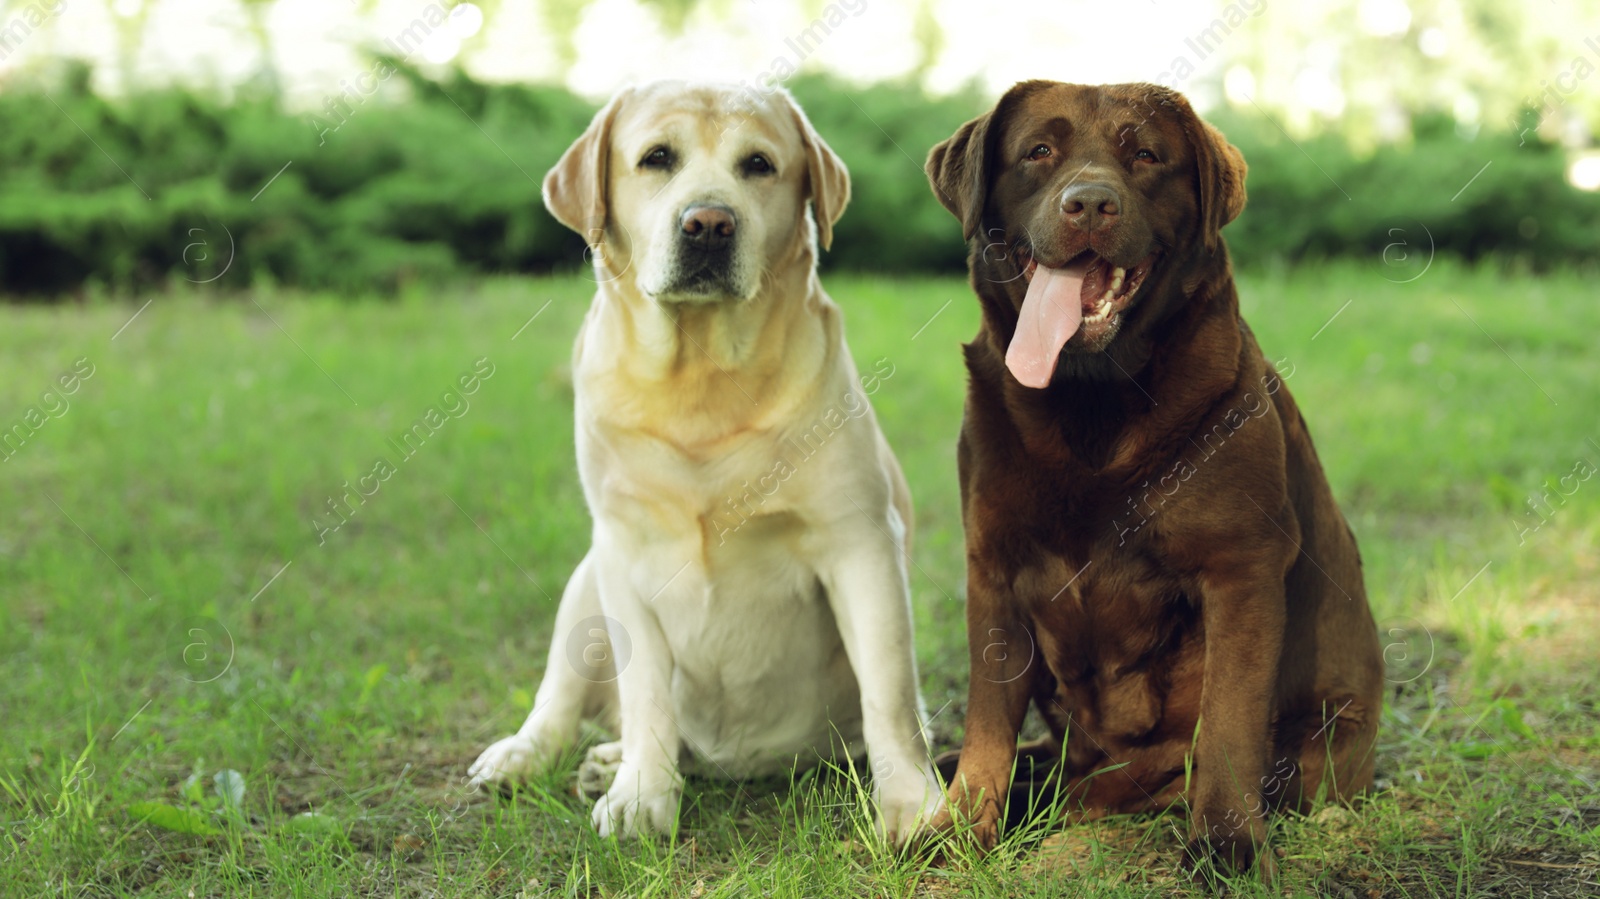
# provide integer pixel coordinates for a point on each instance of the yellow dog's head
(693, 193)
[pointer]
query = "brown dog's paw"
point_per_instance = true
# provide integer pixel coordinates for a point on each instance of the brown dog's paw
(983, 831)
(960, 824)
(1208, 860)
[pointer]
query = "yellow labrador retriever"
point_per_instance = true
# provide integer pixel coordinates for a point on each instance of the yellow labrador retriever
(744, 606)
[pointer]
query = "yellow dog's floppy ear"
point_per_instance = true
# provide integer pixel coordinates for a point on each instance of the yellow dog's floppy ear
(826, 172)
(575, 189)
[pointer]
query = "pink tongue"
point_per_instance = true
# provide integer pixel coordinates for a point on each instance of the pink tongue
(1051, 313)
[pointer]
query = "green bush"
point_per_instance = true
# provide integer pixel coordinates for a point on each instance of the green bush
(398, 193)
(170, 184)
(1318, 199)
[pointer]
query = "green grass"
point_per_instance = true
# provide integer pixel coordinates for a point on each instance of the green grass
(145, 535)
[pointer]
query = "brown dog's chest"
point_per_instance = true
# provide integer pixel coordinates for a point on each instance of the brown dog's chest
(1124, 648)
(1115, 625)
(1112, 632)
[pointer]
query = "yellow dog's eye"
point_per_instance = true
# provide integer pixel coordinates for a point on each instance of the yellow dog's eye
(1145, 156)
(758, 165)
(657, 158)
(1039, 152)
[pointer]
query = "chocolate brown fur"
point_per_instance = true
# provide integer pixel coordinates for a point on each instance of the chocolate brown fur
(1155, 559)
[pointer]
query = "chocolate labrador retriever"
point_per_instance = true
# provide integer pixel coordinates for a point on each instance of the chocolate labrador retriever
(1154, 557)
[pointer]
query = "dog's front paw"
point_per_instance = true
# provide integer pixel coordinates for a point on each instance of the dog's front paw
(635, 805)
(508, 761)
(1229, 855)
(599, 770)
(969, 817)
(908, 804)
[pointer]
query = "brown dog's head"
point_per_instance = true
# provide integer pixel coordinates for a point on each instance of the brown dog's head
(1083, 204)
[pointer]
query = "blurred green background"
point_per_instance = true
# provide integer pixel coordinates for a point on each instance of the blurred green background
(424, 172)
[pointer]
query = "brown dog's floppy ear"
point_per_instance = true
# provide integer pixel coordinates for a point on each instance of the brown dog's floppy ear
(1222, 172)
(575, 189)
(958, 168)
(826, 172)
(958, 171)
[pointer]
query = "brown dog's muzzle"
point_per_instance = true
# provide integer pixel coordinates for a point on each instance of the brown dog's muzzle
(1088, 254)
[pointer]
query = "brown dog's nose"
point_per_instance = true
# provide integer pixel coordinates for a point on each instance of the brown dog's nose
(711, 227)
(1089, 206)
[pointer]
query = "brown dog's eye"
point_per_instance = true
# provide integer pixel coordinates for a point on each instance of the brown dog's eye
(657, 158)
(1039, 152)
(1145, 156)
(758, 165)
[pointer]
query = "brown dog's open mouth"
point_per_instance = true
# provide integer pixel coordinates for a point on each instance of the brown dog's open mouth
(1085, 296)
(1106, 288)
